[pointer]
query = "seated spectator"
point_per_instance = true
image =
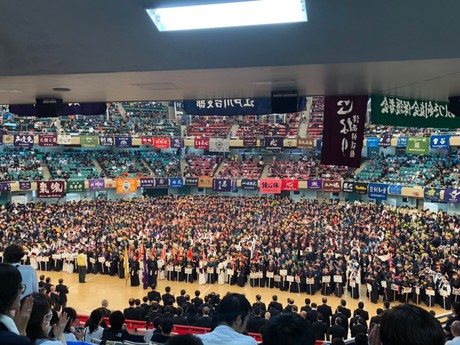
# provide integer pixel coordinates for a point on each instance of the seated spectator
(184, 339)
(117, 331)
(94, 329)
(13, 255)
(205, 320)
(165, 335)
(455, 330)
(70, 333)
(287, 329)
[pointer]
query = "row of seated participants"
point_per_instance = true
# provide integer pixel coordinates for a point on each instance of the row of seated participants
(259, 126)
(210, 126)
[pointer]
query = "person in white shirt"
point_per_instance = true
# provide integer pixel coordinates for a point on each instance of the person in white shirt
(94, 329)
(13, 255)
(233, 315)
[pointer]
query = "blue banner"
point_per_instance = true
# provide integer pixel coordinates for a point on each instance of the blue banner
(176, 143)
(147, 183)
(67, 109)
(161, 182)
(235, 106)
(191, 181)
(378, 191)
(273, 143)
(5, 187)
(319, 144)
(176, 182)
(123, 142)
(432, 194)
(402, 142)
(372, 142)
(452, 195)
(394, 189)
(221, 185)
(440, 142)
(249, 184)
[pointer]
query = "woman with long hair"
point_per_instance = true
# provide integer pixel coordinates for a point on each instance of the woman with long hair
(93, 330)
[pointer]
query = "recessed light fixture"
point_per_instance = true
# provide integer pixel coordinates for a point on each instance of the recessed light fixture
(229, 14)
(61, 89)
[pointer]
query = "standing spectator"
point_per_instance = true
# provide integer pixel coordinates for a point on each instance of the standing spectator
(319, 328)
(326, 311)
(13, 255)
(336, 331)
(81, 266)
(359, 328)
(62, 291)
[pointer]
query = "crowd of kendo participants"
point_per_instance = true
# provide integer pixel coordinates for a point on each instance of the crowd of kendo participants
(301, 246)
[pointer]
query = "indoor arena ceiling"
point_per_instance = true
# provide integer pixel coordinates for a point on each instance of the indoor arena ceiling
(110, 50)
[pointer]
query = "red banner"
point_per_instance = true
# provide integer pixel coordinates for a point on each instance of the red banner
(126, 185)
(161, 143)
(202, 143)
(147, 141)
(270, 186)
(332, 186)
(50, 189)
(290, 184)
(47, 140)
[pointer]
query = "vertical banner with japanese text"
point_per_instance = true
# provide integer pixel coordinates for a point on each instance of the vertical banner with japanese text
(23, 140)
(47, 140)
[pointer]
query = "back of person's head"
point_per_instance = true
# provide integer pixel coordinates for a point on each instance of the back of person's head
(197, 293)
(455, 328)
(275, 298)
(184, 339)
(337, 341)
(360, 305)
(13, 253)
(187, 298)
(338, 321)
(287, 329)
(379, 311)
(386, 304)
(131, 301)
(145, 299)
(72, 315)
(324, 299)
(116, 319)
(179, 311)
(314, 305)
(95, 319)
(343, 303)
(258, 297)
(408, 324)
(48, 279)
(319, 317)
(232, 308)
(307, 301)
(137, 302)
(206, 311)
(168, 309)
(42, 277)
(166, 326)
(105, 303)
(168, 289)
(182, 292)
(153, 286)
(61, 280)
(361, 320)
(9, 288)
(157, 322)
(40, 309)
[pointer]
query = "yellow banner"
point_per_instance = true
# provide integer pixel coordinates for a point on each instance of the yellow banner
(205, 182)
(126, 185)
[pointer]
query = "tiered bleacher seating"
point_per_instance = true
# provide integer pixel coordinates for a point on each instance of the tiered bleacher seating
(121, 164)
(240, 169)
(20, 166)
(71, 165)
(162, 164)
(210, 126)
(206, 165)
(258, 126)
(316, 117)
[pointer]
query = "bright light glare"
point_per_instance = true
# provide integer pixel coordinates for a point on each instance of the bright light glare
(257, 12)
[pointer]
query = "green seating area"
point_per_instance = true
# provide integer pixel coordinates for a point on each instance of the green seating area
(121, 164)
(162, 164)
(73, 165)
(20, 166)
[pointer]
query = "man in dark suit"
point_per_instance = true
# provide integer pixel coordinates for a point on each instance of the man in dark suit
(343, 323)
(375, 320)
(361, 312)
(345, 310)
(336, 331)
(358, 328)
(205, 320)
(180, 319)
(307, 306)
(197, 301)
(106, 311)
(132, 313)
(168, 297)
(62, 291)
(312, 315)
(256, 321)
(274, 304)
(153, 294)
(326, 311)
(181, 299)
(259, 304)
(319, 328)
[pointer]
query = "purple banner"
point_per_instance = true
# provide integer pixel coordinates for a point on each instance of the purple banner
(344, 119)
(96, 184)
(124, 142)
(24, 140)
(315, 184)
(105, 141)
(385, 140)
(176, 143)
(147, 182)
(221, 185)
(452, 195)
(273, 143)
(5, 187)
(50, 189)
(249, 142)
(25, 185)
(161, 182)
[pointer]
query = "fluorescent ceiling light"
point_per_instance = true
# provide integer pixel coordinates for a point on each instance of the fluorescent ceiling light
(242, 13)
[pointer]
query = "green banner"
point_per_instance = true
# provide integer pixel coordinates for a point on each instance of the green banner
(418, 145)
(75, 186)
(89, 141)
(404, 112)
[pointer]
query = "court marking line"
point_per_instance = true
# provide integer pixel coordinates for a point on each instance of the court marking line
(87, 280)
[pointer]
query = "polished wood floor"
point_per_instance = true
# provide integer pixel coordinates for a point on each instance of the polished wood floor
(86, 297)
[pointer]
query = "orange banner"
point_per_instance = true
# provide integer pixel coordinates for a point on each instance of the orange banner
(126, 185)
(205, 182)
(270, 186)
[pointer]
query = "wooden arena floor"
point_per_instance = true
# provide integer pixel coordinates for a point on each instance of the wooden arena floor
(86, 297)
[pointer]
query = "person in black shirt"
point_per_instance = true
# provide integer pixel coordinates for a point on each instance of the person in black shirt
(116, 331)
(336, 331)
(165, 335)
(319, 328)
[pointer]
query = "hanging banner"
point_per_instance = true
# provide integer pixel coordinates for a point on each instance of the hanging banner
(249, 142)
(64, 139)
(5, 187)
(161, 182)
(305, 143)
(147, 141)
(25, 141)
(402, 142)
(361, 187)
(344, 119)
(191, 181)
(432, 194)
(176, 182)
(372, 142)
(96, 184)
(289, 184)
(75, 186)
(235, 106)
(378, 191)
(452, 195)
(404, 112)
(219, 145)
(50, 189)
(249, 184)
(332, 186)
(418, 145)
(89, 141)
(234, 187)
(161, 143)
(176, 143)
(67, 109)
(395, 189)
(290, 142)
(47, 140)
(440, 142)
(273, 143)
(222, 185)
(315, 184)
(106, 140)
(126, 185)
(385, 140)
(147, 183)
(1, 137)
(270, 186)
(123, 141)
(205, 182)
(348, 187)
(201, 143)
(25, 185)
